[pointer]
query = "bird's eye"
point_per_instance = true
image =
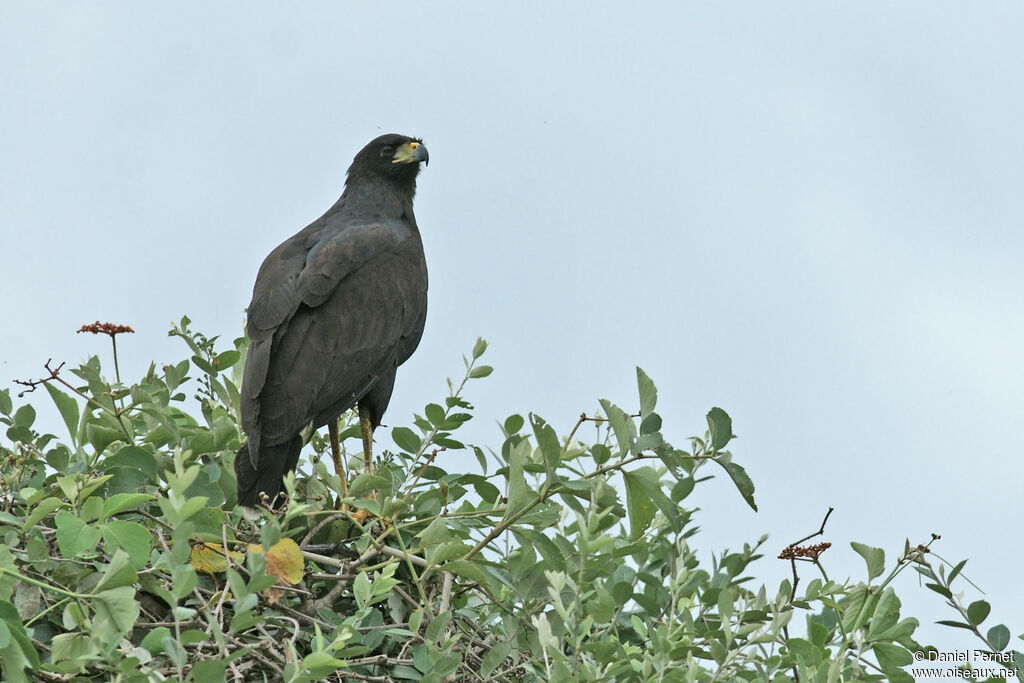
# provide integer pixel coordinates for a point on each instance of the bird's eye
(387, 151)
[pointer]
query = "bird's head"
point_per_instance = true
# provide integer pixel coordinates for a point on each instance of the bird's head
(392, 156)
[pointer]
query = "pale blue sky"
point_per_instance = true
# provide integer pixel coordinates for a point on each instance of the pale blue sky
(807, 214)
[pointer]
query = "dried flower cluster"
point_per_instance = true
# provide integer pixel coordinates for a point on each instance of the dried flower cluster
(795, 552)
(105, 328)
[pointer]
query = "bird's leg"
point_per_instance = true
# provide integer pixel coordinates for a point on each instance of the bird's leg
(339, 467)
(367, 428)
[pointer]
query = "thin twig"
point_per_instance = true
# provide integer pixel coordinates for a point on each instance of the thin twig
(433, 454)
(819, 532)
(446, 592)
(792, 557)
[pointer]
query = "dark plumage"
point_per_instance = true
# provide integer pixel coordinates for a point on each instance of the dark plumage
(335, 310)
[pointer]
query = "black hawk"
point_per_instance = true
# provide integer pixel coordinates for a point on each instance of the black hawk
(335, 310)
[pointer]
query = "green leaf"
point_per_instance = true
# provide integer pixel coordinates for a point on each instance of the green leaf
(474, 571)
(648, 393)
(547, 439)
(20, 653)
(886, 614)
(638, 504)
(119, 572)
(25, 416)
(999, 637)
(874, 557)
(487, 491)
(726, 600)
(892, 659)
(74, 537)
(741, 480)
(978, 611)
(406, 439)
(513, 423)
(682, 489)
(622, 592)
(19, 433)
(204, 365)
(5, 402)
(193, 636)
(183, 580)
(243, 621)
(955, 624)
(621, 424)
(91, 508)
(548, 549)
(600, 453)
(154, 640)
(955, 571)
(856, 599)
(415, 620)
(479, 348)
(175, 652)
(518, 491)
(225, 360)
(806, 651)
(899, 632)
(68, 408)
(362, 590)
(444, 552)
(7, 567)
(126, 479)
(481, 371)
(720, 426)
(72, 646)
(100, 436)
(191, 506)
(132, 537)
(133, 457)
(116, 612)
(365, 483)
(437, 626)
(451, 444)
(435, 532)
(435, 414)
(495, 656)
(320, 665)
(210, 671)
(649, 480)
(123, 501)
(92, 484)
(650, 424)
(41, 510)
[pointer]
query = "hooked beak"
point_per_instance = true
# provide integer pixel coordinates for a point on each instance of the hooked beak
(412, 152)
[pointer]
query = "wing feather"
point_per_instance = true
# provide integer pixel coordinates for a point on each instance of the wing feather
(349, 313)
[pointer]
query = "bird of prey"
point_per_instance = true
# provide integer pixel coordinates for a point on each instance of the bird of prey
(335, 310)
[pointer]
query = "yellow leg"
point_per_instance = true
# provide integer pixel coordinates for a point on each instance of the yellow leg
(367, 428)
(339, 467)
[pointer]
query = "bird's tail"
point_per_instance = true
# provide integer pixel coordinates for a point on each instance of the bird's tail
(274, 462)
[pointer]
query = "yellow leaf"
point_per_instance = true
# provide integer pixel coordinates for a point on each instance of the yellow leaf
(284, 560)
(211, 558)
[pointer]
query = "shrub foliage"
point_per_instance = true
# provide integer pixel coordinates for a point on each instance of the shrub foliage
(124, 557)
